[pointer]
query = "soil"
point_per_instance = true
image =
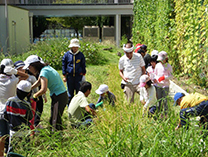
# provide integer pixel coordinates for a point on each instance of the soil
(189, 88)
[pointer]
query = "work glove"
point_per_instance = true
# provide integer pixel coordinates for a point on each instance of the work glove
(10, 71)
(161, 78)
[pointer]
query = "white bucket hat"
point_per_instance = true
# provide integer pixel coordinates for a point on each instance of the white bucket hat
(24, 86)
(102, 89)
(32, 59)
(74, 43)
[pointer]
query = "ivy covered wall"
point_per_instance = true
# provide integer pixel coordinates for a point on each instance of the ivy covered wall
(178, 27)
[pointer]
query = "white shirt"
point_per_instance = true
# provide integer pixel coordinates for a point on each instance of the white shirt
(8, 86)
(132, 68)
(77, 107)
(149, 96)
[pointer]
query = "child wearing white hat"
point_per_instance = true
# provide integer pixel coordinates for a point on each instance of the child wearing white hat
(18, 111)
(105, 95)
(147, 95)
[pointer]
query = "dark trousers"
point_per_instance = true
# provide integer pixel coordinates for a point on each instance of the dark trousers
(73, 84)
(58, 104)
(199, 110)
(39, 110)
(162, 94)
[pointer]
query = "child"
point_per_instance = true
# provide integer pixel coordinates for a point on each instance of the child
(18, 111)
(147, 95)
(105, 95)
(163, 72)
(151, 69)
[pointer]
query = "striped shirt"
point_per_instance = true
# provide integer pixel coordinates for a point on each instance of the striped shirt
(132, 68)
(18, 112)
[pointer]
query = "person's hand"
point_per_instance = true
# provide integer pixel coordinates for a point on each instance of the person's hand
(154, 81)
(125, 79)
(177, 127)
(10, 71)
(161, 78)
(64, 79)
(35, 98)
(45, 99)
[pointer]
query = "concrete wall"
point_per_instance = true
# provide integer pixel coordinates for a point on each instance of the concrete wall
(2, 30)
(18, 28)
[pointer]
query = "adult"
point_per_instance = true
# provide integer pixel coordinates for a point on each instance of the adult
(80, 111)
(8, 84)
(163, 74)
(191, 105)
(73, 68)
(131, 67)
(142, 49)
(49, 78)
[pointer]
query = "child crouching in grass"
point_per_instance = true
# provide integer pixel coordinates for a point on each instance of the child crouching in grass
(147, 95)
(18, 111)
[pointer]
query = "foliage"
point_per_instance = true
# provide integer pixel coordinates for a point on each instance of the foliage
(118, 131)
(123, 40)
(53, 49)
(180, 29)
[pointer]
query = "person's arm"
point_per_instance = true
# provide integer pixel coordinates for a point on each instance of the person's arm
(179, 125)
(44, 85)
(122, 76)
(90, 110)
(23, 75)
(36, 84)
(143, 70)
(64, 67)
(83, 65)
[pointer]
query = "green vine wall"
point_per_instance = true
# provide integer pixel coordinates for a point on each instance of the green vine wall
(178, 27)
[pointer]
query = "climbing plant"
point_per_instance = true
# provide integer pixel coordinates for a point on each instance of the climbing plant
(180, 29)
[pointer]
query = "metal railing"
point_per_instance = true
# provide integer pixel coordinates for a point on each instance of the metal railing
(49, 2)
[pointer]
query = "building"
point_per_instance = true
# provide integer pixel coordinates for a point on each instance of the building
(14, 30)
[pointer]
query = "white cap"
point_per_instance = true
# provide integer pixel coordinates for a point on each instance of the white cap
(154, 52)
(143, 80)
(74, 43)
(161, 57)
(102, 89)
(24, 86)
(7, 62)
(32, 59)
(164, 53)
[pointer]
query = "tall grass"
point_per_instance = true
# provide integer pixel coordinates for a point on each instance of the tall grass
(117, 131)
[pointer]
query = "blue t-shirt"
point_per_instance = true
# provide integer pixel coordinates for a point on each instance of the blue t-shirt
(55, 83)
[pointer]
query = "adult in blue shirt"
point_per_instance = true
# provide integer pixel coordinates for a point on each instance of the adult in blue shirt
(49, 78)
(73, 68)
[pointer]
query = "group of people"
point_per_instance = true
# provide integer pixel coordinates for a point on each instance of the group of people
(147, 75)
(23, 86)
(150, 77)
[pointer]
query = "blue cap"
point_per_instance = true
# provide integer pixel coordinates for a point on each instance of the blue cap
(177, 96)
(19, 64)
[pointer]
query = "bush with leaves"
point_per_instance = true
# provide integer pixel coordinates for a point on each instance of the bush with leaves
(180, 29)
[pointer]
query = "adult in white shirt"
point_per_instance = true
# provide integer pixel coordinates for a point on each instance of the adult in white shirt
(131, 67)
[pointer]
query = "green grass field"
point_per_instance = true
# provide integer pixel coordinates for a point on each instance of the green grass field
(118, 131)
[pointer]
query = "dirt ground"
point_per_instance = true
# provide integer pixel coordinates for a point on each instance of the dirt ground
(189, 88)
